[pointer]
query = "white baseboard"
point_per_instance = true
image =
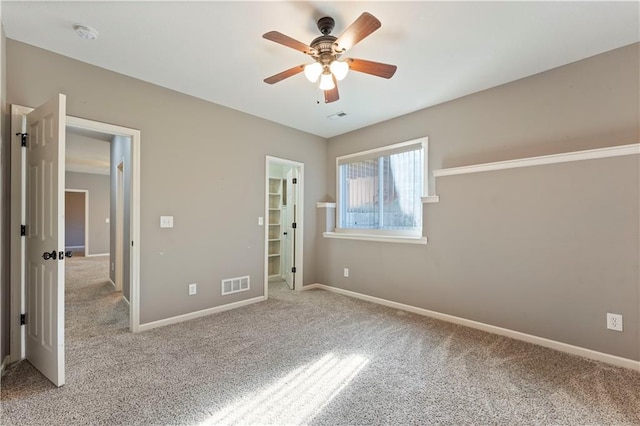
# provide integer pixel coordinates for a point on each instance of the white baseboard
(126, 301)
(541, 341)
(73, 247)
(5, 362)
(198, 314)
(112, 283)
(97, 255)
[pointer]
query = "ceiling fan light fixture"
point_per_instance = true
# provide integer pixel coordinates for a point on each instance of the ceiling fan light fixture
(326, 82)
(313, 71)
(339, 69)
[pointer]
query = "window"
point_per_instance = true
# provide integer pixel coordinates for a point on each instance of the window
(380, 191)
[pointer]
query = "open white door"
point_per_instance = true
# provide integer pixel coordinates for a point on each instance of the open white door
(44, 242)
(289, 230)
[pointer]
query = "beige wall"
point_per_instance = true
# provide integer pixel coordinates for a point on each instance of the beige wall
(74, 219)
(99, 188)
(546, 250)
(201, 163)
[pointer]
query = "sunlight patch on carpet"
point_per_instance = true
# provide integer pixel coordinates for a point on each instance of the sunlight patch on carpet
(297, 397)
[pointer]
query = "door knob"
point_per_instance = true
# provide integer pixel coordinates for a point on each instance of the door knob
(68, 253)
(52, 255)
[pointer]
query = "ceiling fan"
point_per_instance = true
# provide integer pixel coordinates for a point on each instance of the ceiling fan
(326, 51)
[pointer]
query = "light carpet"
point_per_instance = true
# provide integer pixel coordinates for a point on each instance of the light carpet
(313, 357)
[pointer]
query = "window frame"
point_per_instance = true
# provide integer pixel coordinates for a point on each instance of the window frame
(381, 152)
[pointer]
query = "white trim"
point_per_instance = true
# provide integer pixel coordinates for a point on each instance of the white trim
(590, 154)
(423, 140)
(86, 216)
(379, 238)
(73, 247)
(112, 129)
(134, 258)
(326, 205)
(198, 314)
(17, 251)
(97, 254)
(431, 199)
(540, 341)
(5, 363)
(112, 283)
(126, 301)
(299, 239)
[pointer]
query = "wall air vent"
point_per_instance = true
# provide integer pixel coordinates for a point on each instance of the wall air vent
(235, 285)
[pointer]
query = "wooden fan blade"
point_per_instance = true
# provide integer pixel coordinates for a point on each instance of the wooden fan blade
(374, 68)
(284, 74)
(288, 41)
(361, 28)
(332, 95)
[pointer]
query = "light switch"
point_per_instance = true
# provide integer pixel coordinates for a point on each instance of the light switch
(106, 220)
(260, 220)
(166, 221)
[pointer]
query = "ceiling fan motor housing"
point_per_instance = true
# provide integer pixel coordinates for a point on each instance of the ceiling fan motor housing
(324, 46)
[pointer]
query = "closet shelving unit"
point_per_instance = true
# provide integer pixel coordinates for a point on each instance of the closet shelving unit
(275, 232)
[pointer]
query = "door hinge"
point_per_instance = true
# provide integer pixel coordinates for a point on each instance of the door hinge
(293, 269)
(23, 230)
(294, 180)
(23, 319)
(23, 138)
(294, 225)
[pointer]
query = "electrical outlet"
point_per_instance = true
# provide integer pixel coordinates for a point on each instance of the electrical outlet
(614, 322)
(192, 289)
(346, 272)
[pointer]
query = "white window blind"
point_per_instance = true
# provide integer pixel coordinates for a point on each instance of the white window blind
(381, 189)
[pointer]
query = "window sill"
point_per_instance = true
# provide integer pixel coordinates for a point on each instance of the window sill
(378, 238)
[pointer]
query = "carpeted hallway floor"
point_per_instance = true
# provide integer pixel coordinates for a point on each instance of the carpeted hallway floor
(304, 358)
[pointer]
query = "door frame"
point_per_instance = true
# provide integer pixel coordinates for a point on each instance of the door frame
(299, 238)
(119, 251)
(17, 202)
(86, 218)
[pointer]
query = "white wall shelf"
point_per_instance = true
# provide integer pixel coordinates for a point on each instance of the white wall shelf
(590, 154)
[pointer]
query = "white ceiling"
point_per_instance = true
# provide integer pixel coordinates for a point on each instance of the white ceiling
(215, 50)
(87, 151)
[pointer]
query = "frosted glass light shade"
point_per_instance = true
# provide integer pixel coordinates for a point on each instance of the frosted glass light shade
(326, 82)
(312, 71)
(339, 69)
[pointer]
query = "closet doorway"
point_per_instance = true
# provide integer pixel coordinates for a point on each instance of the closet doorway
(284, 228)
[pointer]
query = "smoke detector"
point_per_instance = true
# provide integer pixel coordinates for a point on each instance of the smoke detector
(85, 32)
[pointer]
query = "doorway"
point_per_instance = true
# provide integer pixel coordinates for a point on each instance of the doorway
(76, 221)
(284, 229)
(18, 203)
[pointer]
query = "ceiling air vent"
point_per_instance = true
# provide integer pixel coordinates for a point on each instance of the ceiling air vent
(337, 115)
